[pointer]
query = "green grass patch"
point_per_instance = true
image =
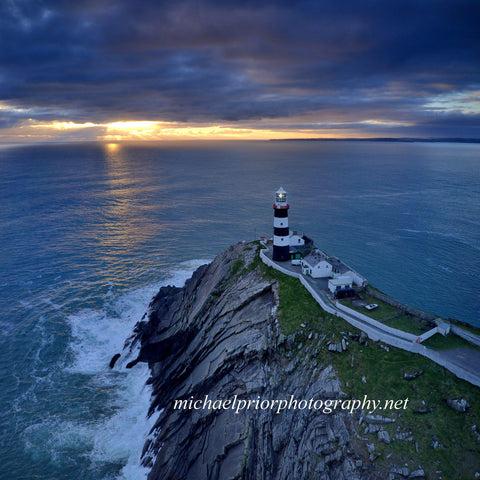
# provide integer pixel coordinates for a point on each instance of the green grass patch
(384, 381)
(384, 375)
(383, 311)
(296, 304)
(237, 265)
(448, 342)
(256, 263)
(407, 323)
(389, 315)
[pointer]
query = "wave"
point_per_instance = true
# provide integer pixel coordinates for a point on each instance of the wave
(452, 236)
(107, 444)
(377, 195)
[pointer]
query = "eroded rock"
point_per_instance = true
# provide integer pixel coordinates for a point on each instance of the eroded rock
(218, 336)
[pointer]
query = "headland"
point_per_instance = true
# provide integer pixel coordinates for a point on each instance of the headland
(240, 329)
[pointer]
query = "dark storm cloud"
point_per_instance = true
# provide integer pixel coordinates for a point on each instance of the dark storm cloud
(213, 61)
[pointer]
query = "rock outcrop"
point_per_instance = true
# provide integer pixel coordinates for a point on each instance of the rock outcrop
(218, 336)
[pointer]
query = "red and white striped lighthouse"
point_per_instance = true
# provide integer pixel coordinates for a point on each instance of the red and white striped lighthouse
(281, 247)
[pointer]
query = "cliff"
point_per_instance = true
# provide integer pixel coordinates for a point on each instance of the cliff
(218, 336)
(241, 331)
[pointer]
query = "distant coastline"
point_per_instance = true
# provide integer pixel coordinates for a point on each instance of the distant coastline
(381, 139)
(226, 140)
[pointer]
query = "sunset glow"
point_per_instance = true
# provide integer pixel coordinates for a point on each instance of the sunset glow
(157, 131)
(242, 71)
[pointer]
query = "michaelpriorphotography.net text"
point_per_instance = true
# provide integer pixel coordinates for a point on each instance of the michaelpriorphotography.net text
(325, 406)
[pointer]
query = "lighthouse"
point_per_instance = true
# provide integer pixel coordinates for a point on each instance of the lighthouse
(281, 247)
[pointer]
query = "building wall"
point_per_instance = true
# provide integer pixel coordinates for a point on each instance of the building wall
(469, 336)
(296, 241)
(356, 278)
(334, 287)
(322, 270)
(404, 341)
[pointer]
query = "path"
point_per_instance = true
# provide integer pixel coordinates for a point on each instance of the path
(463, 362)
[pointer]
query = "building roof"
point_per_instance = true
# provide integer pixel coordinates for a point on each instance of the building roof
(314, 258)
(337, 265)
(317, 256)
(340, 281)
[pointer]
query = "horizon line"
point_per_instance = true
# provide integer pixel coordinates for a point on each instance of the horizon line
(293, 139)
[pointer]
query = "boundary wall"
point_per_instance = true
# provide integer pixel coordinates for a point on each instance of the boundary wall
(378, 331)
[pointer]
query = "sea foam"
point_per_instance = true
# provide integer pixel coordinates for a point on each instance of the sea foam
(113, 440)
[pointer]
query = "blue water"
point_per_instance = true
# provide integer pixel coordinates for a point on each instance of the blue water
(88, 233)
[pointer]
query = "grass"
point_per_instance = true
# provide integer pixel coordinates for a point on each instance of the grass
(384, 310)
(237, 265)
(384, 380)
(296, 304)
(407, 323)
(450, 341)
(389, 315)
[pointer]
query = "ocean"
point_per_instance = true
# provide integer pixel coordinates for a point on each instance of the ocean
(89, 232)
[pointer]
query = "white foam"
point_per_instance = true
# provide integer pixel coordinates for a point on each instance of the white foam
(121, 437)
(449, 235)
(118, 439)
(96, 337)
(58, 438)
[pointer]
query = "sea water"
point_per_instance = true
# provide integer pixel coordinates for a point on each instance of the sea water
(90, 232)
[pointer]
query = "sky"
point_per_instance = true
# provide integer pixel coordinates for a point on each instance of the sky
(115, 70)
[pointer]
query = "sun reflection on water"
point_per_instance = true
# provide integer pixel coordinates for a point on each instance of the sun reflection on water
(127, 220)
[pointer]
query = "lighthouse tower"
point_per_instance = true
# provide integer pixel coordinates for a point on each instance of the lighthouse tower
(281, 247)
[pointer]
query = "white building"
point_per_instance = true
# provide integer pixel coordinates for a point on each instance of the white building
(443, 327)
(319, 265)
(296, 240)
(340, 283)
(316, 265)
(356, 278)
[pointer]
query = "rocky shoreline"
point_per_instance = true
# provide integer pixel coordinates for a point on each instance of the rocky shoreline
(219, 336)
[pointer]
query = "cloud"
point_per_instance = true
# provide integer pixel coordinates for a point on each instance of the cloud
(223, 61)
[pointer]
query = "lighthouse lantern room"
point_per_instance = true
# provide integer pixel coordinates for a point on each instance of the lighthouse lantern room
(281, 244)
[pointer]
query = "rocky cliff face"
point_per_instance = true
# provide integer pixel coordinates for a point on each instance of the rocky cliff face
(218, 336)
